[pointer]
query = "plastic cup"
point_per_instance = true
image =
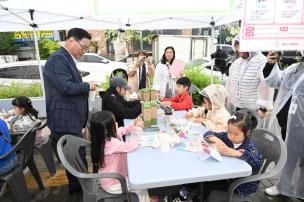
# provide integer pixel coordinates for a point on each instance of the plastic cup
(164, 139)
(92, 95)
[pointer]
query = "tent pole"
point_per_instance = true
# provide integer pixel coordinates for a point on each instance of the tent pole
(39, 62)
(212, 43)
(35, 28)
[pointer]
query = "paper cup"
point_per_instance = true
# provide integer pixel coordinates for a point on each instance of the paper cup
(92, 95)
(164, 139)
(156, 87)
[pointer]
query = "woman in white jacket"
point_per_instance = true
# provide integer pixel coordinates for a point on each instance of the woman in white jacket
(167, 71)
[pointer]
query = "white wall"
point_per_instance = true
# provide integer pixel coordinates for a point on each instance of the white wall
(181, 45)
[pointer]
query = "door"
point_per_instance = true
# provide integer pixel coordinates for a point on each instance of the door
(198, 49)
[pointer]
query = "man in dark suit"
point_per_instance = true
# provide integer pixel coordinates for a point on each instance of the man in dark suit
(66, 94)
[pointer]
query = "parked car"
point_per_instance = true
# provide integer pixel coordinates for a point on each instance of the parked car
(94, 58)
(289, 57)
(27, 72)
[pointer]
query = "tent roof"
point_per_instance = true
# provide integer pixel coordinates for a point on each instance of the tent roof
(65, 14)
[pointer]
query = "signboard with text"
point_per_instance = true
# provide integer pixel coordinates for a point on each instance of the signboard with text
(27, 36)
(272, 25)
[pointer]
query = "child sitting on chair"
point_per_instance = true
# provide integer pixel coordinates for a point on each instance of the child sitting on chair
(109, 151)
(182, 101)
(236, 142)
(213, 113)
(24, 117)
(25, 114)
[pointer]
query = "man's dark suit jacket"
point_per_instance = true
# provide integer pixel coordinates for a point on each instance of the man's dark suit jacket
(66, 94)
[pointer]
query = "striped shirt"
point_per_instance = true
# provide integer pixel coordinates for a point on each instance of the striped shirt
(245, 78)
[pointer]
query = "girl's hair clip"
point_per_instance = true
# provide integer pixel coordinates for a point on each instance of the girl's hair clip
(233, 117)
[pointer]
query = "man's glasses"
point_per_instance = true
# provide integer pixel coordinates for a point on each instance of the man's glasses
(83, 48)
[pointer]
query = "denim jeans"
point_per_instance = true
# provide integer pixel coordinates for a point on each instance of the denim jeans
(9, 166)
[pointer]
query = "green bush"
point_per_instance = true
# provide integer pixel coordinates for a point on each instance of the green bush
(47, 47)
(7, 45)
(200, 79)
(31, 90)
(105, 84)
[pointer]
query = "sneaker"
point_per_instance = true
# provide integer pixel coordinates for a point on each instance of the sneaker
(3, 189)
(26, 170)
(272, 191)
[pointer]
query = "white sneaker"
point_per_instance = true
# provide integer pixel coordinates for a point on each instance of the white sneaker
(26, 170)
(272, 191)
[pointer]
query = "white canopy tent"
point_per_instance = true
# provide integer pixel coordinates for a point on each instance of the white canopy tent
(31, 15)
(15, 15)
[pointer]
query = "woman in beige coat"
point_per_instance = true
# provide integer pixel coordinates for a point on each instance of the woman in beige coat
(213, 114)
(139, 71)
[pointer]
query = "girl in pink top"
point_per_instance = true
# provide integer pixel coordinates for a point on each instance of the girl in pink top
(109, 151)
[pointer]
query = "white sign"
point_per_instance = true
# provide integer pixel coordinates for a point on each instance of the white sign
(272, 25)
(129, 8)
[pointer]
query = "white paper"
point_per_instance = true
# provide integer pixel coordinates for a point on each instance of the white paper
(149, 141)
(212, 152)
(215, 154)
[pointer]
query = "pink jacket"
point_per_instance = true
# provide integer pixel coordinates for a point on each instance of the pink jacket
(116, 156)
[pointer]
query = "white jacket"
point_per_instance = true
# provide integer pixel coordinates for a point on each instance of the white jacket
(284, 80)
(245, 83)
(217, 118)
(161, 78)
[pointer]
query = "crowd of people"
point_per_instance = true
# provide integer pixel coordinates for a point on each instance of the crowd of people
(230, 113)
